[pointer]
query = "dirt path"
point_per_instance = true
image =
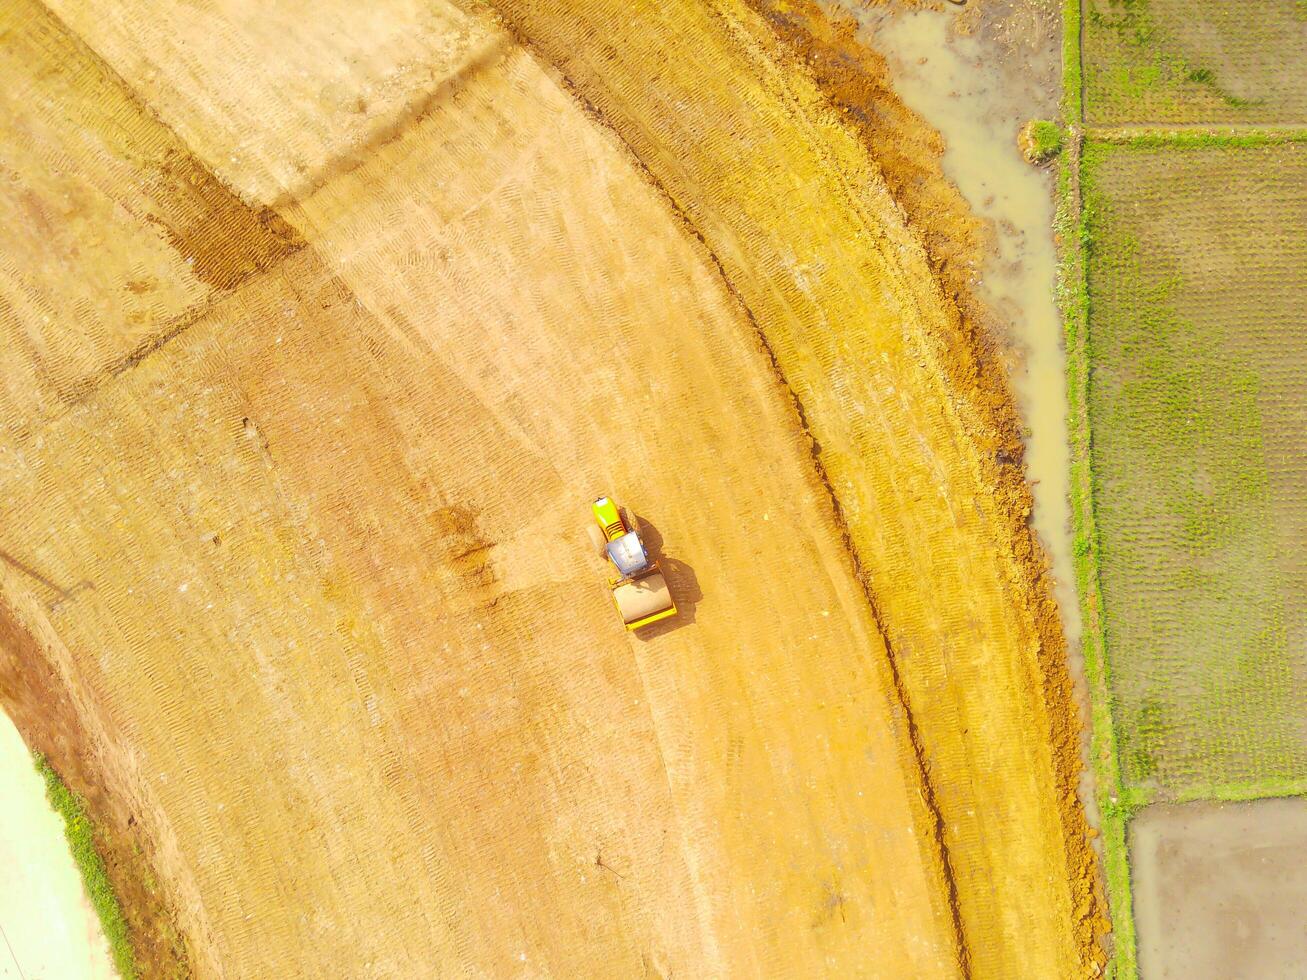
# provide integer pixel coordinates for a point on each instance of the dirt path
(316, 533)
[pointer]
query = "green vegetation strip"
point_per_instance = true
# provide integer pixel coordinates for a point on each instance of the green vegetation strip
(81, 840)
(1183, 139)
(1072, 228)
(1115, 807)
(1243, 792)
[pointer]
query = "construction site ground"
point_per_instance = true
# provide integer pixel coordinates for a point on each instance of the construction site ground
(320, 330)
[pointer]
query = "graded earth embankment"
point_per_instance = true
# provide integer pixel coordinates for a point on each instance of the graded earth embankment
(910, 437)
(305, 546)
(319, 576)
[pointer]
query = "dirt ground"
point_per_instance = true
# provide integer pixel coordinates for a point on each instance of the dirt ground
(301, 531)
(1219, 890)
(940, 532)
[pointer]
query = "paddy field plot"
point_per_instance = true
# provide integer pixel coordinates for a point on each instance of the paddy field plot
(1195, 61)
(1219, 890)
(1198, 338)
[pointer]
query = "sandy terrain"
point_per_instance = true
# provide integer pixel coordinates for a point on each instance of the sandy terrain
(1219, 890)
(306, 545)
(977, 84)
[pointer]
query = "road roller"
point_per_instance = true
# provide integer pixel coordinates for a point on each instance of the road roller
(640, 591)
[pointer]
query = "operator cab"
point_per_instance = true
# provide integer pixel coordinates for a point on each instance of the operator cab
(628, 554)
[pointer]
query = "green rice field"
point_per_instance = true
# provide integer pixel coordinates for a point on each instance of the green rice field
(1183, 225)
(1195, 61)
(1198, 413)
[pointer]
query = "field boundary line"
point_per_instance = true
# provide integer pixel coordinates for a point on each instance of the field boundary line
(1268, 789)
(1195, 136)
(1072, 234)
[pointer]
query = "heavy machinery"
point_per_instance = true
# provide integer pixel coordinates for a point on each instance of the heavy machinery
(641, 592)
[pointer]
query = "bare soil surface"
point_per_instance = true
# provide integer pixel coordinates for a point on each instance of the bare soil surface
(303, 555)
(978, 74)
(1219, 891)
(54, 719)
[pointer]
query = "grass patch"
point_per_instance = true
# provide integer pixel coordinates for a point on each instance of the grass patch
(1041, 140)
(1116, 860)
(81, 840)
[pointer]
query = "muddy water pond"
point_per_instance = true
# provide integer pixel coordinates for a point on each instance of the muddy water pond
(47, 926)
(978, 89)
(1219, 890)
(977, 76)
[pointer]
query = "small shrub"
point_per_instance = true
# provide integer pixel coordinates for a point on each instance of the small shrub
(1040, 140)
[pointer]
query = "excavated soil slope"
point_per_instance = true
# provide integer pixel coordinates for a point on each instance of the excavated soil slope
(310, 367)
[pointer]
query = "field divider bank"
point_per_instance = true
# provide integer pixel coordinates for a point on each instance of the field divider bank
(1191, 136)
(1115, 805)
(1241, 792)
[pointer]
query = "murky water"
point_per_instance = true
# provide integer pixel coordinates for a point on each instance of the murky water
(950, 82)
(47, 926)
(1219, 890)
(978, 90)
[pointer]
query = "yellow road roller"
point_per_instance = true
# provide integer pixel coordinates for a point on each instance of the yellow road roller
(641, 592)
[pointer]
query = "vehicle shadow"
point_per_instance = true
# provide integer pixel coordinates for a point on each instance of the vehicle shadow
(681, 581)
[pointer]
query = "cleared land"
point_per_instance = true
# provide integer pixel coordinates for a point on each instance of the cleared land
(908, 441)
(1195, 61)
(305, 543)
(1220, 890)
(1198, 348)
